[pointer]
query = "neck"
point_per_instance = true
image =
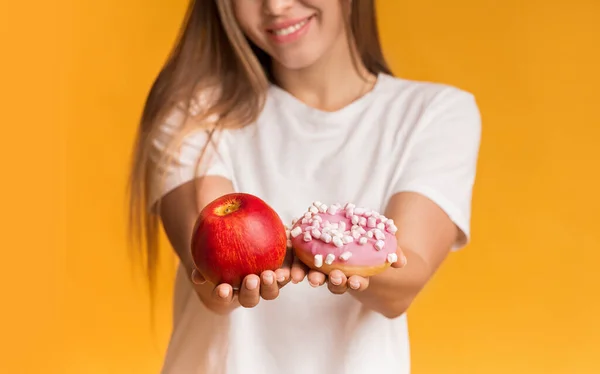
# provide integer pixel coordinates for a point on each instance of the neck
(330, 83)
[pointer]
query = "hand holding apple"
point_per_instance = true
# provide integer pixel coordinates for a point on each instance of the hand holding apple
(253, 288)
(239, 240)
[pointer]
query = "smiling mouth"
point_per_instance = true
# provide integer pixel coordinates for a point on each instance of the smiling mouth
(290, 29)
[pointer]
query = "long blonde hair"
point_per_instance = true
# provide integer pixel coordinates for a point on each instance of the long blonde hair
(213, 54)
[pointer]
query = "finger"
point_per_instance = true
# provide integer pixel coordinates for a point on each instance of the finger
(358, 283)
(402, 261)
(316, 278)
(197, 278)
(298, 271)
(269, 289)
(249, 295)
(223, 293)
(283, 275)
(337, 282)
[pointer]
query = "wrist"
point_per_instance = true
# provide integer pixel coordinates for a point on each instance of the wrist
(391, 292)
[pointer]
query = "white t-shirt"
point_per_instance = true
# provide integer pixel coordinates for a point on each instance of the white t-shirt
(402, 136)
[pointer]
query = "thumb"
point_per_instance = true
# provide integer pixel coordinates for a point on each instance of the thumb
(197, 278)
(402, 261)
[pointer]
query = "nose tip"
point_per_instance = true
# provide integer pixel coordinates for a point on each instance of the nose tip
(277, 7)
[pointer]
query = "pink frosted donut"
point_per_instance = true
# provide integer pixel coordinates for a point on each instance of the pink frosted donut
(356, 240)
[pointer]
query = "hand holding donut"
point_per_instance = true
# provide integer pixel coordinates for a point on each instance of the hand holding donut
(345, 244)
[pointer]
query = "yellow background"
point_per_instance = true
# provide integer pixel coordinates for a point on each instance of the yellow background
(523, 298)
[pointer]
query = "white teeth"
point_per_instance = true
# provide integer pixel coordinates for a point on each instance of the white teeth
(290, 29)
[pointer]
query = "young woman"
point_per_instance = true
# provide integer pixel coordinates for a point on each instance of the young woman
(292, 101)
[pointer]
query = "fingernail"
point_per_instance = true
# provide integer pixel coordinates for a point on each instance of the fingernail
(251, 284)
(315, 285)
(336, 280)
(403, 260)
(354, 285)
(224, 292)
(195, 277)
(280, 278)
(268, 278)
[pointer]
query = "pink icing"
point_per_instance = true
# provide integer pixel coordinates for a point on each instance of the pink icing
(362, 254)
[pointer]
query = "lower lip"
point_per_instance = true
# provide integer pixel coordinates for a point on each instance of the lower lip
(282, 39)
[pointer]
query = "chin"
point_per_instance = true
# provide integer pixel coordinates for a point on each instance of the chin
(297, 61)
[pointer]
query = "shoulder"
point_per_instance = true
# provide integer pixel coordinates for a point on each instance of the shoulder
(186, 130)
(432, 105)
(426, 94)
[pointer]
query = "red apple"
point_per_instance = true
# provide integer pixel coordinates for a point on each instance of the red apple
(236, 235)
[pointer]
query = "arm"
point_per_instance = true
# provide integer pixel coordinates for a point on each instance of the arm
(425, 235)
(179, 211)
(432, 205)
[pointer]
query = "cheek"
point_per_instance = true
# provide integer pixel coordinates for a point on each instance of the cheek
(332, 28)
(332, 18)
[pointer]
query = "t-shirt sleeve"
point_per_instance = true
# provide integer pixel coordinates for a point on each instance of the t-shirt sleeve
(176, 160)
(442, 157)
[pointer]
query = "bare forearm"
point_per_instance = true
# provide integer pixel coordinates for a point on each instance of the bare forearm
(391, 292)
(425, 235)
